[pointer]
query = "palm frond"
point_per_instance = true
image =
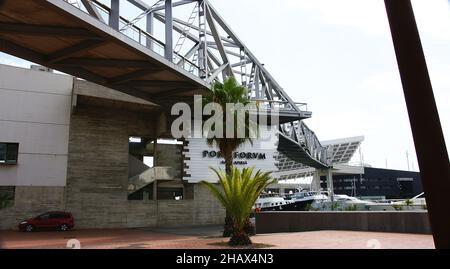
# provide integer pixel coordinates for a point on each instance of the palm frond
(230, 92)
(239, 192)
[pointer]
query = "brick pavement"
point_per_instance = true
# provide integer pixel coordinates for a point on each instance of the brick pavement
(171, 239)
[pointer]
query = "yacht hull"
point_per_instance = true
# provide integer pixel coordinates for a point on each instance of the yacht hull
(295, 206)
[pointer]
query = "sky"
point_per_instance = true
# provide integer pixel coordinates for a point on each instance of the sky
(338, 57)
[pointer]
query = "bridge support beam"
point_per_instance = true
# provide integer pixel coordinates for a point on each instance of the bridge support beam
(114, 14)
(168, 52)
(315, 185)
(330, 187)
(426, 128)
(91, 9)
(150, 28)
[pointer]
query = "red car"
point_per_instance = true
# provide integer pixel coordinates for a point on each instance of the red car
(60, 220)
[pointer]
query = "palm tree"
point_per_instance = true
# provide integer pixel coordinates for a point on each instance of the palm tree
(238, 194)
(230, 92)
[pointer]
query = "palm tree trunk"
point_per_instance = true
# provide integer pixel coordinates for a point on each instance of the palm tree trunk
(228, 156)
(228, 227)
(239, 238)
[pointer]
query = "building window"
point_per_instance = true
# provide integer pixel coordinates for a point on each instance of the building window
(9, 153)
(7, 196)
(170, 194)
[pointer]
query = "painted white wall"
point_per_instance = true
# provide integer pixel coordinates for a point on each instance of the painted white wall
(198, 167)
(35, 112)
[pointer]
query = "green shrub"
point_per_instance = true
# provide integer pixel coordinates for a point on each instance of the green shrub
(408, 202)
(351, 208)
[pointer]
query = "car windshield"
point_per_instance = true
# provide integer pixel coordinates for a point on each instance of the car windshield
(43, 216)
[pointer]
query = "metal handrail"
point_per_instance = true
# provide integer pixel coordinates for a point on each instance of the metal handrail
(300, 133)
(298, 104)
(142, 36)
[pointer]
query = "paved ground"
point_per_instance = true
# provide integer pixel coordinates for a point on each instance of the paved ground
(203, 237)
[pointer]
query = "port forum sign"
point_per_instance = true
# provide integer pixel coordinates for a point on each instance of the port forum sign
(240, 157)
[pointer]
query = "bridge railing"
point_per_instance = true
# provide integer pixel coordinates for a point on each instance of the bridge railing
(138, 35)
(211, 56)
(280, 105)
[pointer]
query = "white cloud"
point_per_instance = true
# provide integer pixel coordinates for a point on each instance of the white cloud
(368, 16)
(353, 89)
(433, 17)
(439, 75)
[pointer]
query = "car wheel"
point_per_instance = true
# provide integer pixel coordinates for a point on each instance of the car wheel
(64, 227)
(29, 228)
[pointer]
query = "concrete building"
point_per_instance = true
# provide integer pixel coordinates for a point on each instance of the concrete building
(354, 178)
(72, 142)
(119, 170)
(375, 183)
(109, 158)
(103, 155)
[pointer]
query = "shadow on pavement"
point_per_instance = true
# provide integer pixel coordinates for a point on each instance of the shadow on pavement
(200, 231)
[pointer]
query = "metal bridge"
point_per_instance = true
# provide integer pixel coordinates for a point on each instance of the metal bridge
(146, 51)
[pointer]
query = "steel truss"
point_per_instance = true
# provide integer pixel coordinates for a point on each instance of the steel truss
(209, 49)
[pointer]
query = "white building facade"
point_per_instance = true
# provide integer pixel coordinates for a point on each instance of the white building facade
(199, 157)
(35, 115)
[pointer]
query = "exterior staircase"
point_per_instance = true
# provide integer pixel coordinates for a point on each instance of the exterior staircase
(141, 175)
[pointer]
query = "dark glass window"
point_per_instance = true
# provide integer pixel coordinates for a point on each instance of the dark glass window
(170, 194)
(2, 153)
(9, 153)
(7, 194)
(57, 216)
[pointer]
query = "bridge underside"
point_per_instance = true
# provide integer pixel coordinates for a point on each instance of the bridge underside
(57, 35)
(298, 153)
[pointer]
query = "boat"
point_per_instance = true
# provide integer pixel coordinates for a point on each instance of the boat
(298, 201)
(303, 200)
(271, 202)
(417, 203)
(323, 201)
(342, 202)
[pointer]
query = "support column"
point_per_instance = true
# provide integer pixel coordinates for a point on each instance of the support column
(426, 127)
(155, 163)
(155, 190)
(330, 187)
(114, 14)
(162, 129)
(168, 52)
(315, 185)
(150, 29)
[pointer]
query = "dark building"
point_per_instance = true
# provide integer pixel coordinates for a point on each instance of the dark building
(377, 182)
